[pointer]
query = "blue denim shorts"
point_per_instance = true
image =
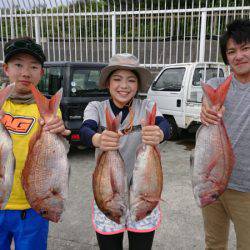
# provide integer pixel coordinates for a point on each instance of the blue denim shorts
(28, 229)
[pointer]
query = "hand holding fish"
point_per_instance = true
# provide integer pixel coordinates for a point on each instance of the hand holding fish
(55, 126)
(151, 134)
(107, 140)
(209, 115)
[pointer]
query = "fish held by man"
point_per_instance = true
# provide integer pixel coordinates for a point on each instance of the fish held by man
(147, 181)
(110, 181)
(46, 172)
(7, 159)
(213, 158)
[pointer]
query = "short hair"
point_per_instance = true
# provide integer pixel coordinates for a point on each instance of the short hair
(239, 31)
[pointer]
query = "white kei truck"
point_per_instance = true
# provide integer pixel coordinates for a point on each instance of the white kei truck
(178, 93)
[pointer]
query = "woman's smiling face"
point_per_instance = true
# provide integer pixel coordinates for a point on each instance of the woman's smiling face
(123, 85)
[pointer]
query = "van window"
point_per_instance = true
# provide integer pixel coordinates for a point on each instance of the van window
(170, 80)
(200, 74)
(51, 81)
(84, 80)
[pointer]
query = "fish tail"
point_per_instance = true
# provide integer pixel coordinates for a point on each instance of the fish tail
(46, 107)
(217, 96)
(112, 123)
(150, 118)
(5, 93)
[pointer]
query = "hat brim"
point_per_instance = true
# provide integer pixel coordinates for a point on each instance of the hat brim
(144, 74)
(26, 51)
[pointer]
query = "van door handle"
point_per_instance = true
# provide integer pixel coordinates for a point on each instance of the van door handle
(178, 103)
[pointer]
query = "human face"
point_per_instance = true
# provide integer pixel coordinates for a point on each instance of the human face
(23, 69)
(238, 56)
(123, 85)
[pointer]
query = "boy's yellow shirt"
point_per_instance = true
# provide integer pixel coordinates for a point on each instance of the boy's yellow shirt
(21, 120)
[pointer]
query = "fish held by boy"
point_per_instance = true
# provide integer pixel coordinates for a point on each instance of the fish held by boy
(110, 181)
(7, 159)
(213, 158)
(46, 171)
(147, 181)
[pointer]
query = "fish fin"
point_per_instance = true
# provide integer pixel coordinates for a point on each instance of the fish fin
(150, 116)
(113, 182)
(112, 123)
(158, 152)
(46, 107)
(211, 165)
(55, 101)
(5, 93)
(217, 96)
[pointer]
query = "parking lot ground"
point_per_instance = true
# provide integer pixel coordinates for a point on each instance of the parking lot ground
(181, 227)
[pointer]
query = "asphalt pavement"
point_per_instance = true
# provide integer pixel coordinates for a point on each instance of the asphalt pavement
(181, 227)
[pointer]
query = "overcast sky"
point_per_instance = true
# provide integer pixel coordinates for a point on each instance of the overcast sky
(27, 3)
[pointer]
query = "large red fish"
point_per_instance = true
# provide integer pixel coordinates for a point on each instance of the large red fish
(110, 181)
(7, 159)
(45, 175)
(147, 181)
(213, 158)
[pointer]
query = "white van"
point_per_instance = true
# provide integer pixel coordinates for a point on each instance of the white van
(178, 93)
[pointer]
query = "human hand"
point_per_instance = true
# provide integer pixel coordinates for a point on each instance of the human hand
(151, 134)
(55, 126)
(107, 140)
(210, 116)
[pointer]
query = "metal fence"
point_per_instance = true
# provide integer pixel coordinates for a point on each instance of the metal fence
(158, 32)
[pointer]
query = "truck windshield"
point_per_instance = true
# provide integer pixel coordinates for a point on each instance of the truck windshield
(85, 81)
(170, 80)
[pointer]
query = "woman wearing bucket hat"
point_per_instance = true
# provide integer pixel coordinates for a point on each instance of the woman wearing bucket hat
(123, 77)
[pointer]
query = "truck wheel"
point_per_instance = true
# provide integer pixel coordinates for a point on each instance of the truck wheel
(174, 132)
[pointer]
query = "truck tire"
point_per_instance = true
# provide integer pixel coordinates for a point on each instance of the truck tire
(174, 131)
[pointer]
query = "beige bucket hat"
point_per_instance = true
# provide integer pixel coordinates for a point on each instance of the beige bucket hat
(129, 62)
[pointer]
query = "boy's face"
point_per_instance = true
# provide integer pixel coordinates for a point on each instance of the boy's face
(238, 56)
(23, 69)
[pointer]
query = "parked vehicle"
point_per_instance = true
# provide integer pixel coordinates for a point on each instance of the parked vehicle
(178, 93)
(80, 83)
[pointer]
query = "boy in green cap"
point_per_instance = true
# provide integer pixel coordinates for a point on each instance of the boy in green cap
(23, 65)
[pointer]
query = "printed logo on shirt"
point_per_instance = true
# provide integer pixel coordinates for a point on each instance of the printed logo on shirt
(18, 124)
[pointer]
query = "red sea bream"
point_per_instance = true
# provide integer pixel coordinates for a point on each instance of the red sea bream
(46, 171)
(213, 158)
(110, 180)
(147, 181)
